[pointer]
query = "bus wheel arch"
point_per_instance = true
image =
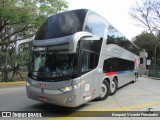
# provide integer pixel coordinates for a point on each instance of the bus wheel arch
(114, 85)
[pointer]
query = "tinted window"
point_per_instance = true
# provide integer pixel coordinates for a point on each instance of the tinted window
(90, 50)
(89, 61)
(117, 64)
(95, 24)
(115, 37)
(92, 45)
(62, 24)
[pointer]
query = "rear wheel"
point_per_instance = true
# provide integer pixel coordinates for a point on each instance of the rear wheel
(104, 90)
(113, 87)
(135, 78)
(137, 75)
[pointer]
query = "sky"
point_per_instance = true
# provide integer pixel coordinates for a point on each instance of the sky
(115, 11)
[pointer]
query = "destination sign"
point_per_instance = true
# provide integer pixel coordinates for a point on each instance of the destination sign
(55, 41)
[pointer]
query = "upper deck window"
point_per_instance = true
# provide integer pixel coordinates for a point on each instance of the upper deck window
(115, 37)
(62, 24)
(95, 24)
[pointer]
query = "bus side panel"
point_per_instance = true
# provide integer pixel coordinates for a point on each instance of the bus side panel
(86, 92)
(124, 72)
(97, 82)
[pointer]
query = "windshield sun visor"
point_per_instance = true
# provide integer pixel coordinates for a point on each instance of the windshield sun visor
(68, 43)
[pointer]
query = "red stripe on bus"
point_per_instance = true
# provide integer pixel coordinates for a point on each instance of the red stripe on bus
(111, 73)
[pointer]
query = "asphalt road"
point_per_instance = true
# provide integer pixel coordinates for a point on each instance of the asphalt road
(139, 96)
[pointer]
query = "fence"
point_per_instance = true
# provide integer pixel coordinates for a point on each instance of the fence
(154, 71)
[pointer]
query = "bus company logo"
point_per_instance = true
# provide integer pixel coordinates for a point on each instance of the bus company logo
(43, 85)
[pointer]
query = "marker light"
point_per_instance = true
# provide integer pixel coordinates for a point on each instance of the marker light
(69, 99)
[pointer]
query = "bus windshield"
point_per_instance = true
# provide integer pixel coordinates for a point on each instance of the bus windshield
(53, 66)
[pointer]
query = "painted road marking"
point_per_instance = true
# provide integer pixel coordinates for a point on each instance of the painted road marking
(110, 103)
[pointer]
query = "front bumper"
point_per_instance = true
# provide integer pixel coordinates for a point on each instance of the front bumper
(67, 99)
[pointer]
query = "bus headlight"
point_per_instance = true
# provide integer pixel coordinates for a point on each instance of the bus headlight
(67, 89)
(28, 84)
(70, 88)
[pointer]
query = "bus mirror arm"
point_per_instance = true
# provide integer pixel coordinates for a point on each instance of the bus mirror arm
(77, 36)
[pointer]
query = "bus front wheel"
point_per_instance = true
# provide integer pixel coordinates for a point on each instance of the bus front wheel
(105, 90)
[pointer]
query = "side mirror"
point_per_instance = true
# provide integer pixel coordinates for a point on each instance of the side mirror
(21, 42)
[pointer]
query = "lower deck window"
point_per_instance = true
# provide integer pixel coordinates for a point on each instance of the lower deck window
(117, 64)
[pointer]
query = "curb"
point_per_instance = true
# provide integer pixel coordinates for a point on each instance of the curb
(150, 77)
(12, 83)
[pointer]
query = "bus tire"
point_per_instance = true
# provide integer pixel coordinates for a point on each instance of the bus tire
(114, 86)
(105, 90)
(135, 78)
(137, 75)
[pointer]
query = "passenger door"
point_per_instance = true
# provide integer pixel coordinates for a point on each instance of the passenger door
(87, 66)
(89, 55)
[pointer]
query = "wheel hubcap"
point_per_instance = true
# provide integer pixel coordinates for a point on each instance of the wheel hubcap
(103, 90)
(113, 86)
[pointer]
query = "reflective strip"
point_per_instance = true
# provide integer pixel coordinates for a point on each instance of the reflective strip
(119, 72)
(111, 73)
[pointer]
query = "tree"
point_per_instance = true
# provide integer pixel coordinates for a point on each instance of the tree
(25, 16)
(147, 14)
(145, 40)
(20, 19)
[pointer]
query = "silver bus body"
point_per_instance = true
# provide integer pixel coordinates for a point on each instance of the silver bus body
(112, 63)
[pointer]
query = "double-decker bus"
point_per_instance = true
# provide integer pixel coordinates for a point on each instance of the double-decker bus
(78, 56)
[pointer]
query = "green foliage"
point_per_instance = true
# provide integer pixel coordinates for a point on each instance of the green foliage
(147, 41)
(20, 19)
(25, 16)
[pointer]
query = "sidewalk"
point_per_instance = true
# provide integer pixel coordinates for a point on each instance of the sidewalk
(145, 76)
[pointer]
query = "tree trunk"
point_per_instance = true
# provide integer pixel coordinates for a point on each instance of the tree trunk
(4, 75)
(16, 71)
(154, 53)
